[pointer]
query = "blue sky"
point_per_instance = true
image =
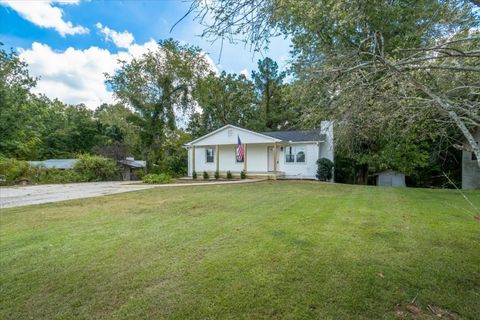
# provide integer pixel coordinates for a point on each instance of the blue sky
(71, 43)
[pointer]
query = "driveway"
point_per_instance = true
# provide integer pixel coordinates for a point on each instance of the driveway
(45, 193)
(23, 196)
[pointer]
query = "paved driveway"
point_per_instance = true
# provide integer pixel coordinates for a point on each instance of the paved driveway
(22, 196)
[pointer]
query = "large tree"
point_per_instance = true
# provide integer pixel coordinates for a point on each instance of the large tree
(224, 99)
(412, 63)
(18, 133)
(269, 86)
(158, 85)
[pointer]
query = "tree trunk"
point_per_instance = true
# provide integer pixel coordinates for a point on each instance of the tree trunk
(443, 106)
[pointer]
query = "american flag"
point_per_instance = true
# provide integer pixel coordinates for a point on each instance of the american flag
(240, 151)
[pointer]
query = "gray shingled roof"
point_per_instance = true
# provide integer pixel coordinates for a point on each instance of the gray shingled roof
(134, 163)
(296, 135)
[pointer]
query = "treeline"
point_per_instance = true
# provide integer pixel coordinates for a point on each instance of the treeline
(388, 103)
(156, 114)
(400, 78)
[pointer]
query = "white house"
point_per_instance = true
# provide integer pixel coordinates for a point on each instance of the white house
(288, 154)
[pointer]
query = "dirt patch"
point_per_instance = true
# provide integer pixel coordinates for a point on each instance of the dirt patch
(413, 311)
(477, 218)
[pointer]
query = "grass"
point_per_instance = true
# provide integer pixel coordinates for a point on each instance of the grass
(277, 250)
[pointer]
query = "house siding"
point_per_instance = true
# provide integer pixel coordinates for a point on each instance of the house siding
(306, 170)
(257, 153)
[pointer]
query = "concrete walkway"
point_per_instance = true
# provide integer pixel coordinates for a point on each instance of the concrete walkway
(27, 195)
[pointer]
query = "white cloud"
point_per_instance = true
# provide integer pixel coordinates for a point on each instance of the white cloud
(44, 14)
(245, 72)
(77, 76)
(120, 39)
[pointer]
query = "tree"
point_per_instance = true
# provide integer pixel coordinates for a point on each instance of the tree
(156, 85)
(268, 85)
(19, 111)
(382, 58)
(122, 134)
(224, 99)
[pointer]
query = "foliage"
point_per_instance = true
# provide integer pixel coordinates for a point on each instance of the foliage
(217, 175)
(175, 155)
(41, 175)
(269, 87)
(19, 114)
(33, 127)
(155, 85)
(114, 118)
(96, 168)
(194, 175)
(229, 175)
(324, 171)
(243, 174)
(88, 168)
(13, 170)
(224, 99)
(157, 178)
(205, 175)
(376, 67)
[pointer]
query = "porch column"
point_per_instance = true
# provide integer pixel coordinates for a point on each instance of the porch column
(217, 154)
(193, 159)
(275, 156)
(245, 157)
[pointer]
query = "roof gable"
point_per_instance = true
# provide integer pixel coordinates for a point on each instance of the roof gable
(229, 134)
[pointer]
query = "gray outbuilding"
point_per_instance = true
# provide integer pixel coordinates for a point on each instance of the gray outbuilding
(390, 178)
(130, 167)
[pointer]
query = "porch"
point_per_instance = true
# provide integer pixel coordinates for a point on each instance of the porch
(259, 159)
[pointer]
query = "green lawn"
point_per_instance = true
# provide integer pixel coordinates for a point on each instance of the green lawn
(277, 250)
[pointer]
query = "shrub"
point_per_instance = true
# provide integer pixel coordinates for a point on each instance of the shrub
(157, 178)
(96, 168)
(194, 175)
(217, 175)
(205, 175)
(243, 174)
(13, 170)
(43, 175)
(229, 175)
(324, 171)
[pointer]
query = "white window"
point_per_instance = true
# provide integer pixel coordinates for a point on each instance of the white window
(289, 154)
(294, 154)
(210, 155)
(300, 152)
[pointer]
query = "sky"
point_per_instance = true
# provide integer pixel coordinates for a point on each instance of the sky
(71, 44)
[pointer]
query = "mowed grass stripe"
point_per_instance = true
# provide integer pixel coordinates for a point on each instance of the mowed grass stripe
(281, 250)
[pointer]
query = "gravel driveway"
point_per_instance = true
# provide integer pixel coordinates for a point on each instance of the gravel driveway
(22, 196)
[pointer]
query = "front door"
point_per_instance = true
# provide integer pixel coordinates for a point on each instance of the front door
(270, 159)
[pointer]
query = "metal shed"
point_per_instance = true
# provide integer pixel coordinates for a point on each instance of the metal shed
(129, 165)
(390, 178)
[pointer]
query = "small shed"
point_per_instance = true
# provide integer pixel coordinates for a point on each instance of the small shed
(129, 168)
(390, 178)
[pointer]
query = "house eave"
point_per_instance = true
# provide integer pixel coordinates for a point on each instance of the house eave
(195, 142)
